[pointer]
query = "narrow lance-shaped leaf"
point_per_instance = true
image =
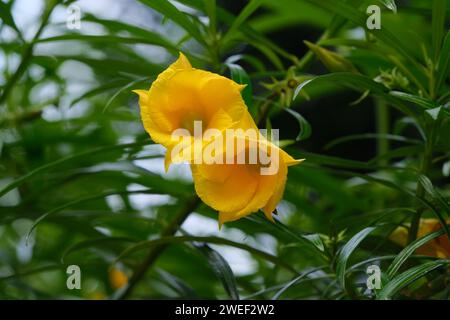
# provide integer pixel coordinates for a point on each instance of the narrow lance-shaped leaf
(177, 284)
(168, 10)
(439, 12)
(214, 240)
(390, 4)
(443, 67)
(53, 164)
(331, 60)
(409, 276)
(348, 11)
(93, 243)
(251, 7)
(7, 18)
(355, 81)
(422, 102)
(305, 128)
(239, 75)
(81, 200)
(409, 250)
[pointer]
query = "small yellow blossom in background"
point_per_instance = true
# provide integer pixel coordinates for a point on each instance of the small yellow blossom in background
(439, 247)
(97, 295)
(182, 95)
(117, 278)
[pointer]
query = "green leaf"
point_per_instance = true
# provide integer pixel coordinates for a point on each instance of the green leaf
(210, 9)
(390, 4)
(122, 89)
(434, 113)
(349, 12)
(31, 271)
(294, 282)
(406, 191)
(248, 10)
(409, 276)
(336, 161)
(347, 250)
(355, 81)
(361, 84)
(438, 26)
(6, 16)
(305, 127)
(177, 284)
(409, 250)
(364, 136)
(221, 269)
(443, 66)
(81, 200)
(331, 60)
(421, 102)
(438, 198)
(105, 66)
(213, 240)
(93, 243)
(169, 11)
(316, 240)
(103, 88)
(51, 165)
(248, 34)
(150, 38)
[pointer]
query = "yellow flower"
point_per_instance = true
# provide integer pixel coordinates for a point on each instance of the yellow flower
(237, 190)
(97, 295)
(439, 247)
(181, 95)
(117, 278)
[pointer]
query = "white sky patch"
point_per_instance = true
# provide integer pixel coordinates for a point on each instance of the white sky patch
(239, 260)
(357, 33)
(12, 198)
(176, 171)
(115, 202)
(144, 200)
(285, 210)
(25, 14)
(44, 91)
(103, 230)
(24, 250)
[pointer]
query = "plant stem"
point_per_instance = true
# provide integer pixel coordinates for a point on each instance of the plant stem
(156, 251)
(382, 123)
(28, 52)
(264, 109)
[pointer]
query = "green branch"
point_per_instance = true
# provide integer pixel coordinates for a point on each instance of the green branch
(157, 250)
(28, 52)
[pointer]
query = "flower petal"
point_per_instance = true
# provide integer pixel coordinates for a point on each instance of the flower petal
(231, 195)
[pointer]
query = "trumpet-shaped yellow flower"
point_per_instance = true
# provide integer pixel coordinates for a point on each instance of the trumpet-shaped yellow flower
(239, 189)
(438, 247)
(181, 98)
(182, 95)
